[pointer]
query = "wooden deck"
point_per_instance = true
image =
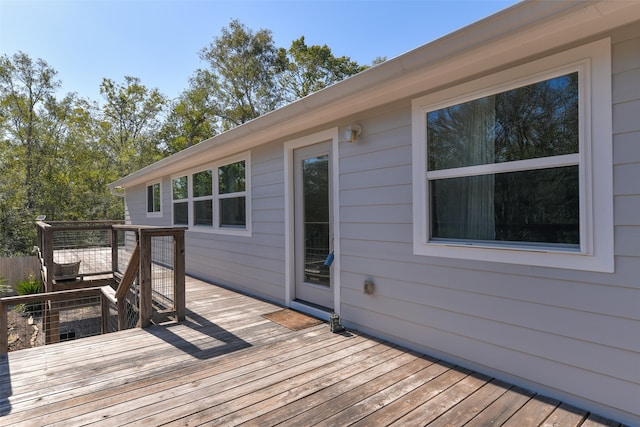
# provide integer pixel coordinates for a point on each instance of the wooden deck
(228, 365)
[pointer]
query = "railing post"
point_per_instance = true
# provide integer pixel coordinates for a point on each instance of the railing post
(104, 311)
(122, 325)
(178, 275)
(48, 257)
(146, 308)
(51, 322)
(114, 249)
(4, 327)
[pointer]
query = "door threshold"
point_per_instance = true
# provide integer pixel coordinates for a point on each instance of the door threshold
(314, 310)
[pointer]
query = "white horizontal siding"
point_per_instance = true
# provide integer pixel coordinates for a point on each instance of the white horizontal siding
(627, 209)
(136, 203)
(253, 264)
(625, 148)
(573, 334)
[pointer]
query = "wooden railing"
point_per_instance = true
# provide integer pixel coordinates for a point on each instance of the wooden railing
(47, 233)
(97, 250)
(140, 265)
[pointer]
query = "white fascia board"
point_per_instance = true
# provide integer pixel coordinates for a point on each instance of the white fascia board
(520, 32)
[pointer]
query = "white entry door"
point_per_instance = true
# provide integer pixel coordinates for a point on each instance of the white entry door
(313, 225)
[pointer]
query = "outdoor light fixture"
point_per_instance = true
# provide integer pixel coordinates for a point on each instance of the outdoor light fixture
(352, 132)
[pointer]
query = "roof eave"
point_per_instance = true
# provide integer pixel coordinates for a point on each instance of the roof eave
(525, 29)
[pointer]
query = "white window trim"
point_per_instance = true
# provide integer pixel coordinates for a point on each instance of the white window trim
(596, 252)
(215, 228)
(153, 214)
(234, 231)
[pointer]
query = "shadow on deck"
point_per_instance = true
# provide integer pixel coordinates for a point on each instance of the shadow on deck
(226, 364)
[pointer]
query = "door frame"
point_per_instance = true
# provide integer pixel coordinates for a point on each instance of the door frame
(289, 219)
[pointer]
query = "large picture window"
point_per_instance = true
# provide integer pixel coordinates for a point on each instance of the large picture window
(504, 167)
(214, 198)
(516, 167)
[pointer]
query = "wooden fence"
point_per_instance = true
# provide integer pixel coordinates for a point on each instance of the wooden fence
(15, 269)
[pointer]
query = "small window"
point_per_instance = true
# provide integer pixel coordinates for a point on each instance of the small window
(232, 195)
(154, 201)
(506, 167)
(180, 195)
(203, 198)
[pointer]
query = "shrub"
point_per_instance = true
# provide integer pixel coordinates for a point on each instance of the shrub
(29, 286)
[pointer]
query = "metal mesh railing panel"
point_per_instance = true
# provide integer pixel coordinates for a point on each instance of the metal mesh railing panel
(36, 323)
(91, 248)
(162, 275)
(126, 244)
(25, 326)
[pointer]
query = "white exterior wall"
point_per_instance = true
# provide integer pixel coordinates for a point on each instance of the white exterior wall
(252, 264)
(572, 334)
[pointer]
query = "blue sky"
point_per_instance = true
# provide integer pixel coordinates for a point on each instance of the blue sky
(158, 41)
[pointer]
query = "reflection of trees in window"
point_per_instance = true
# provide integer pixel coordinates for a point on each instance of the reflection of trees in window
(538, 120)
(538, 206)
(316, 189)
(202, 185)
(180, 191)
(232, 204)
(231, 178)
(179, 188)
(315, 178)
(534, 121)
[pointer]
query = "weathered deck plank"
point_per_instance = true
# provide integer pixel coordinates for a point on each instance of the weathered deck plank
(228, 365)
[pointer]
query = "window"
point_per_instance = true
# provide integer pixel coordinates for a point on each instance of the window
(504, 168)
(180, 196)
(507, 167)
(203, 198)
(219, 205)
(154, 201)
(232, 195)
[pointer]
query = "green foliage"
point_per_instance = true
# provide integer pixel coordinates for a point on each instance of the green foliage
(311, 68)
(246, 64)
(30, 286)
(130, 121)
(59, 153)
(194, 116)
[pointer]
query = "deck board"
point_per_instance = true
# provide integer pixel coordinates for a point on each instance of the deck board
(228, 365)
